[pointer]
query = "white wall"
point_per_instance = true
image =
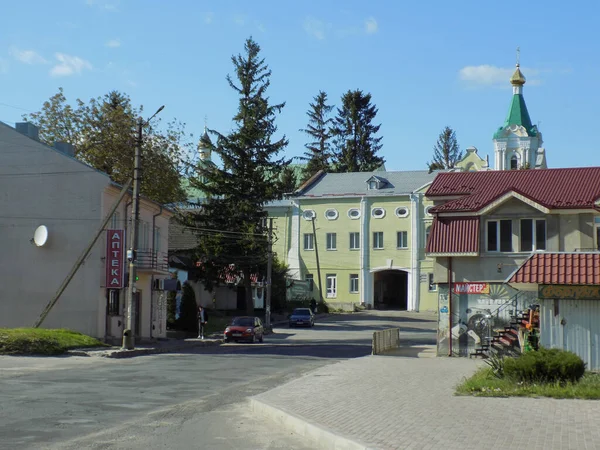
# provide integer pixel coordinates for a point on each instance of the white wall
(41, 186)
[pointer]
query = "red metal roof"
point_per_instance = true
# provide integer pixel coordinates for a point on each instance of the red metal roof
(454, 235)
(559, 268)
(552, 188)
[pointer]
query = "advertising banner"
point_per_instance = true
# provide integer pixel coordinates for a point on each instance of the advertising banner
(115, 269)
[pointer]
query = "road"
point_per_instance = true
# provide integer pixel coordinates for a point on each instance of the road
(184, 400)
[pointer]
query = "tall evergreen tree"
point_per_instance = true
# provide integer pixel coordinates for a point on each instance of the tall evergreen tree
(249, 178)
(446, 152)
(318, 154)
(355, 134)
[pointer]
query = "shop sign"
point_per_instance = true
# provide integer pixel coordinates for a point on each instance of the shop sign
(471, 288)
(114, 259)
(569, 292)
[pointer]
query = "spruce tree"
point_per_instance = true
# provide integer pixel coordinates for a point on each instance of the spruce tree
(446, 152)
(356, 143)
(231, 225)
(318, 154)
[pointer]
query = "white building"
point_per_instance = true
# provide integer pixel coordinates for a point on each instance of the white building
(45, 186)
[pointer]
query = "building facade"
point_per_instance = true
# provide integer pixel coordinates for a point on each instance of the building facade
(360, 238)
(47, 189)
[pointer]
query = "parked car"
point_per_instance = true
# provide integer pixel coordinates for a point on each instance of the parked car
(245, 328)
(302, 316)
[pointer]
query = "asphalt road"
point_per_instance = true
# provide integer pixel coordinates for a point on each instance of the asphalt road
(185, 400)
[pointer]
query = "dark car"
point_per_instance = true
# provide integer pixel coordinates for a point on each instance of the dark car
(245, 328)
(302, 317)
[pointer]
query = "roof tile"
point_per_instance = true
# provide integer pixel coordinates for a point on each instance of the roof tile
(559, 268)
(456, 235)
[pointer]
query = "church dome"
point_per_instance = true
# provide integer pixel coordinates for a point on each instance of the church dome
(517, 79)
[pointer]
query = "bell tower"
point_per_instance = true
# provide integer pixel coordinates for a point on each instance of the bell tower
(518, 143)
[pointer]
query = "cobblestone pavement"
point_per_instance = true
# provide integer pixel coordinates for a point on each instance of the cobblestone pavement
(396, 402)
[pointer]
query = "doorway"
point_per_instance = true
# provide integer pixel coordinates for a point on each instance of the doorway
(391, 290)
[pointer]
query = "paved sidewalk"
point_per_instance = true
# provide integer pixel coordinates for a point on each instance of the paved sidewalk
(399, 402)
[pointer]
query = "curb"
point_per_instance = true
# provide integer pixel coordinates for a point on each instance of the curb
(320, 436)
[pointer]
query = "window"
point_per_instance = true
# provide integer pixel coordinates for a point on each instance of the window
(331, 214)
(378, 213)
(309, 214)
(354, 283)
(432, 285)
(309, 241)
(402, 241)
(143, 235)
(331, 285)
(402, 211)
(113, 303)
(427, 233)
(331, 241)
(354, 213)
(598, 237)
(378, 240)
(533, 235)
(354, 241)
(428, 210)
(514, 162)
(373, 184)
(499, 236)
(311, 280)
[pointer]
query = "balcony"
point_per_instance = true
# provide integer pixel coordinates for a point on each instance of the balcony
(152, 261)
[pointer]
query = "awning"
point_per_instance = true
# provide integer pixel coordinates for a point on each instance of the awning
(454, 236)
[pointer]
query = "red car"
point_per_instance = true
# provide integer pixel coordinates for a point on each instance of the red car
(244, 328)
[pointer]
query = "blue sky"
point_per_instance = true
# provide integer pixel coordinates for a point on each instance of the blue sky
(427, 64)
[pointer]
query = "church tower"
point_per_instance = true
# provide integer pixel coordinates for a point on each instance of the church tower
(518, 143)
(204, 147)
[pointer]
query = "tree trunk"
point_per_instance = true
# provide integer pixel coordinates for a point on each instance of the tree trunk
(248, 289)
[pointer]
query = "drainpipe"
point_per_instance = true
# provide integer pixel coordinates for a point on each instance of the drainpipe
(156, 259)
(364, 255)
(415, 250)
(450, 305)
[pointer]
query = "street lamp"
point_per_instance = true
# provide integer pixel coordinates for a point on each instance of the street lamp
(128, 338)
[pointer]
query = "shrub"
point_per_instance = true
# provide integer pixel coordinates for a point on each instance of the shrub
(188, 311)
(545, 366)
(496, 363)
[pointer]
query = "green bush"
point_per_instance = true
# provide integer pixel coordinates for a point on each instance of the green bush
(188, 310)
(545, 366)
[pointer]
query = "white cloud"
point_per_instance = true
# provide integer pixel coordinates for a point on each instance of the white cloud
(371, 26)
(208, 18)
(486, 75)
(27, 56)
(239, 19)
(3, 66)
(113, 43)
(315, 27)
(69, 65)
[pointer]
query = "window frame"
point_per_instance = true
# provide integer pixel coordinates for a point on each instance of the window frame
(376, 208)
(331, 287)
(358, 214)
(377, 233)
(498, 223)
(355, 234)
(404, 240)
(406, 214)
(312, 242)
(333, 238)
(353, 281)
(432, 286)
(336, 214)
(310, 277)
(534, 234)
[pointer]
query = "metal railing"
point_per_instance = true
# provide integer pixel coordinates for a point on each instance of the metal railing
(148, 260)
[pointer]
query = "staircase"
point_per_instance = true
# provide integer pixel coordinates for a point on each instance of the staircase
(506, 342)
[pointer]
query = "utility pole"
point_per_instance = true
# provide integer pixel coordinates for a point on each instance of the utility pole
(318, 265)
(128, 332)
(269, 274)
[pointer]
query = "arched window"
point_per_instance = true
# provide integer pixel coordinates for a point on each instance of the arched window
(514, 162)
(427, 233)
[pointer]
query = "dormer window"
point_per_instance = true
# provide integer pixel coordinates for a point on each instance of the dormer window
(375, 183)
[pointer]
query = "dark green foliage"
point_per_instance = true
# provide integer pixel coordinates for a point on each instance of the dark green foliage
(496, 363)
(171, 309)
(446, 152)
(279, 274)
(288, 180)
(319, 153)
(103, 133)
(188, 310)
(545, 366)
(356, 144)
(250, 178)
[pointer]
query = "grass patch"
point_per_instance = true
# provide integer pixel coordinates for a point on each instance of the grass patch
(40, 341)
(485, 384)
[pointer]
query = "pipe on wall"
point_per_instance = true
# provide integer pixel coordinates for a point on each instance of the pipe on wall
(450, 306)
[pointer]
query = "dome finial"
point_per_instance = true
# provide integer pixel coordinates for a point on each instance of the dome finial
(518, 79)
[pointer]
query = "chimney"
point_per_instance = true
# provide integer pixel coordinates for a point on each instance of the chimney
(29, 130)
(65, 147)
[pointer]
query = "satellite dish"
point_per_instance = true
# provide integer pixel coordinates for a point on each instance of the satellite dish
(40, 236)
